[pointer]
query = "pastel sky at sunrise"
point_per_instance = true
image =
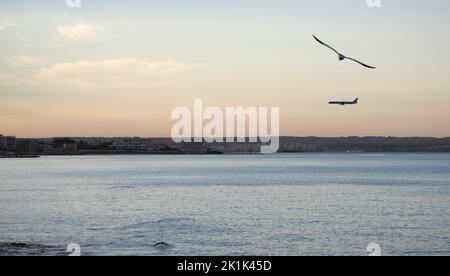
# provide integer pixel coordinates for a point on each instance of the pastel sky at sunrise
(118, 68)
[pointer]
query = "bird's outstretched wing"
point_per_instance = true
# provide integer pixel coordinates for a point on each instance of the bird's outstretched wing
(365, 65)
(326, 45)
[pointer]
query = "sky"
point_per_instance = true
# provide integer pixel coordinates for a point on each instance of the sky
(118, 68)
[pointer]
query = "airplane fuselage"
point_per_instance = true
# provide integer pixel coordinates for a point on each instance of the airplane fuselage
(343, 103)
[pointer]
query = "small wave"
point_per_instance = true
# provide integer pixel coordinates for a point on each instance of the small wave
(121, 187)
(97, 228)
(156, 222)
(28, 190)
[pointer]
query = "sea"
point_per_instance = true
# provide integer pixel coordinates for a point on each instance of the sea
(226, 205)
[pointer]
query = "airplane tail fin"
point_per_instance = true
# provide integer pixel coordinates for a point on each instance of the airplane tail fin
(356, 101)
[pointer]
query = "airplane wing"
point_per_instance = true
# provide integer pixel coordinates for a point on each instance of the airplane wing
(326, 45)
(365, 65)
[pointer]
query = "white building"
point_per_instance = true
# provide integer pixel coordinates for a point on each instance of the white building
(128, 145)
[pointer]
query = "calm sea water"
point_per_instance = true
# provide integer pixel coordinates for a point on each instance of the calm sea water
(299, 204)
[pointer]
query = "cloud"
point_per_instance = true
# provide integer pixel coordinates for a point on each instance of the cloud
(4, 22)
(113, 72)
(24, 61)
(79, 32)
(16, 79)
(20, 71)
(133, 73)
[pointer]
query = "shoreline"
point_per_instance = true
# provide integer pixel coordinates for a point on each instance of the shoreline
(206, 154)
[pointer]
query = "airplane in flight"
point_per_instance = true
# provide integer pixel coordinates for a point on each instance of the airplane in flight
(344, 103)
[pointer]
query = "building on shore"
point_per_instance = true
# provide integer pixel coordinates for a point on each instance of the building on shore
(129, 144)
(7, 143)
(70, 147)
(24, 146)
(43, 148)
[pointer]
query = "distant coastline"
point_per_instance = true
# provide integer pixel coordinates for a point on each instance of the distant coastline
(29, 147)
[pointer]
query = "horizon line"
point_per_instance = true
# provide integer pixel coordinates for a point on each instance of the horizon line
(247, 137)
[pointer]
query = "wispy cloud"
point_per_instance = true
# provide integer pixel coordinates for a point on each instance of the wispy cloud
(17, 79)
(113, 72)
(4, 22)
(24, 61)
(79, 32)
(95, 74)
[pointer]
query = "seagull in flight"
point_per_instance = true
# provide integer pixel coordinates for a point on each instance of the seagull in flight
(341, 56)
